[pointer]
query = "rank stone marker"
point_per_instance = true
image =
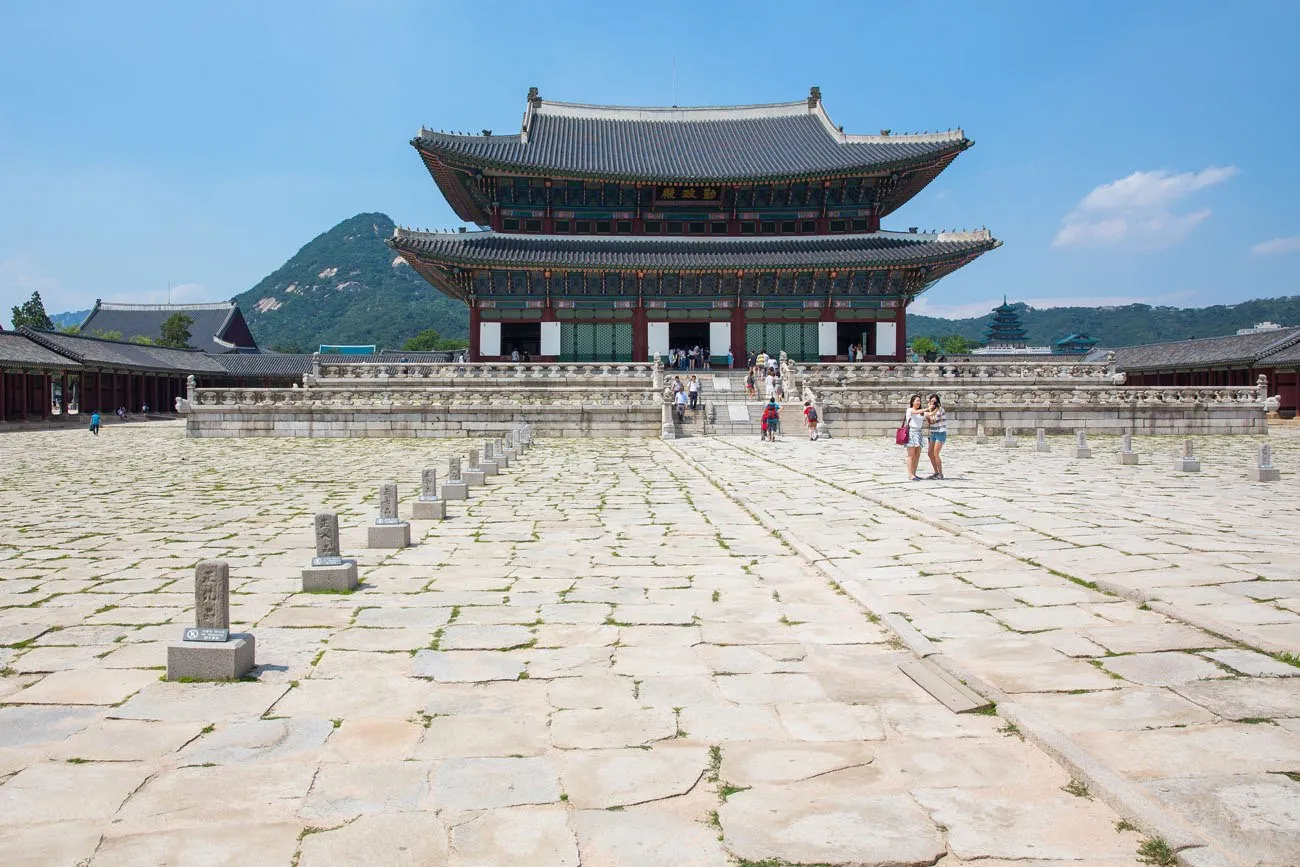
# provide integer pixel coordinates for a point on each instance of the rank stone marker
(429, 507)
(208, 651)
(489, 464)
(980, 437)
(1042, 444)
(328, 570)
(1127, 456)
(1186, 462)
(1081, 449)
(1009, 441)
(454, 488)
(499, 454)
(1265, 471)
(474, 476)
(388, 531)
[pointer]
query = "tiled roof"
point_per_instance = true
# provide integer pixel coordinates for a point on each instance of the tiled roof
(780, 140)
(19, 351)
(878, 249)
(209, 331)
(1207, 351)
(96, 352)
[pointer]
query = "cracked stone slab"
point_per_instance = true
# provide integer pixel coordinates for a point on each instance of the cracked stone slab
(621, 777)
(516, 835)
(87, 686)
(341, 792)
(1162, 669)
(1253, 664)
(488, 783)
(641, 838)
(759, 763)
(220, 844)
(1256, 815)
(594, 728)
(1246, 698)
(886, 830)
(467, 666)
(393, 839)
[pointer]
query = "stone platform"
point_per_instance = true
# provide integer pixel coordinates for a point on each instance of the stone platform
(605, 659)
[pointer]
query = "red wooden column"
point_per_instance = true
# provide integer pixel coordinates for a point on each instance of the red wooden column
(640, 333)
(130, 388)
(47, 386)
(4, 409)
(63, 392)
(738, 333)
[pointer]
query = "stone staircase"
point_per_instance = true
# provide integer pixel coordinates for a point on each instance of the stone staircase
(730, 412)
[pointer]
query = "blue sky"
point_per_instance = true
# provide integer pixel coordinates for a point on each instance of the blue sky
(1124, 151)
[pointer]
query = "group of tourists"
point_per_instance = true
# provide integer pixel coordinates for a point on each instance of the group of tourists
(685, 394)
(770, 421)
(694, 358)
(924, 424)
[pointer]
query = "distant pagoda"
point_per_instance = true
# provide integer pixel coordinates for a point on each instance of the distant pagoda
(1005, 329)
(614, 233)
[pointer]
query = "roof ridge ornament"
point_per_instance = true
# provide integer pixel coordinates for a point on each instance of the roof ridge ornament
(814, 96)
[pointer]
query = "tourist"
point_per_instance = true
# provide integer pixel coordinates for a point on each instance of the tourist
(527, 358)
(761, 360)
(749, 383)
(731, 359)
(94, 422)
(144, 409)
(706, 356)
(771, 420)
(913, 420)
(938, 421)
(677, 386)
(514, 355)
(693, 391)
(853, 353)
(810, 418)
(121, 413)
(750, 359)
(769, 384)
(680, 403)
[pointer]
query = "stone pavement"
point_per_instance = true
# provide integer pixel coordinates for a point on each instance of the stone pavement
(636, 653)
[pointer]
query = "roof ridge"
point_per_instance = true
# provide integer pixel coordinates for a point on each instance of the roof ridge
(407, 233)
(212, 305)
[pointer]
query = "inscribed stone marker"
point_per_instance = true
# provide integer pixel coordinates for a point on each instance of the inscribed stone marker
(328, 552)
(212, 595)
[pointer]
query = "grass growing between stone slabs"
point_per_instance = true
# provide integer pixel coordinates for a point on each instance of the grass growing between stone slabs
(1156, 852)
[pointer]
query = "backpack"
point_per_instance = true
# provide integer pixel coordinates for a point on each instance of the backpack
(812, 413)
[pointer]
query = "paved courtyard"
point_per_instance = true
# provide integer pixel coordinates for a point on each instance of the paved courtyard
(648, 653)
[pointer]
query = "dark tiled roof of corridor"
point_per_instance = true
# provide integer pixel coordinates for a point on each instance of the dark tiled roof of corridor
(1230, 349)
(19, 351)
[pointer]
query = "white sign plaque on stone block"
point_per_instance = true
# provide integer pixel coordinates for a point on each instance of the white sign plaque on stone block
(737, 412)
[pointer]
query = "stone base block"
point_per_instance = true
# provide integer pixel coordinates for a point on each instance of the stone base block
(1081, 453)
(1010, 444)
(981, 440)
(388, 535)
(1187, 465)
(473, 478)
(1128, 458)
(210, 660)
(502, 460)
(1043, 447)
(489, 468)
(429, 510)
(335, 578)
(1265, 474)
(511, 455)
(455, 491)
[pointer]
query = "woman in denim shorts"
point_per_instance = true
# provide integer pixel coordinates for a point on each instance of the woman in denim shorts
(938, 420)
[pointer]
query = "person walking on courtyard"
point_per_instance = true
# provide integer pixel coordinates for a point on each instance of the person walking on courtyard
(731, 360)
(94, 422)
(810, 418)
(938, 421)
(914, 419)
(771, 420)
(693, 391)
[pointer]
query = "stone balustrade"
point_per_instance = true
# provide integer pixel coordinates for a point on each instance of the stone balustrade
(342, 398)
(927, 374)
(450, 374)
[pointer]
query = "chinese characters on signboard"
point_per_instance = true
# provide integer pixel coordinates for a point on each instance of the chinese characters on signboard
(694, 193)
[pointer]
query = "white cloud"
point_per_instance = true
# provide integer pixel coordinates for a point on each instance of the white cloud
(1277, 245)
(1138, 209)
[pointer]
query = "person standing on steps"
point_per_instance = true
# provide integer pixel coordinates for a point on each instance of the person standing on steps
(693, 392)
(914, 419)
(937, 418)
(731, 360)
(749, 383)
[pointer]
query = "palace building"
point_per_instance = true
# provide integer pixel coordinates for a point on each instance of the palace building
(614, 233)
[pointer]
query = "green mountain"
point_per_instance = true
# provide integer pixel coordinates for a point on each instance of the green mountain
(66, 320)
(1120, 326)
(346, 287)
